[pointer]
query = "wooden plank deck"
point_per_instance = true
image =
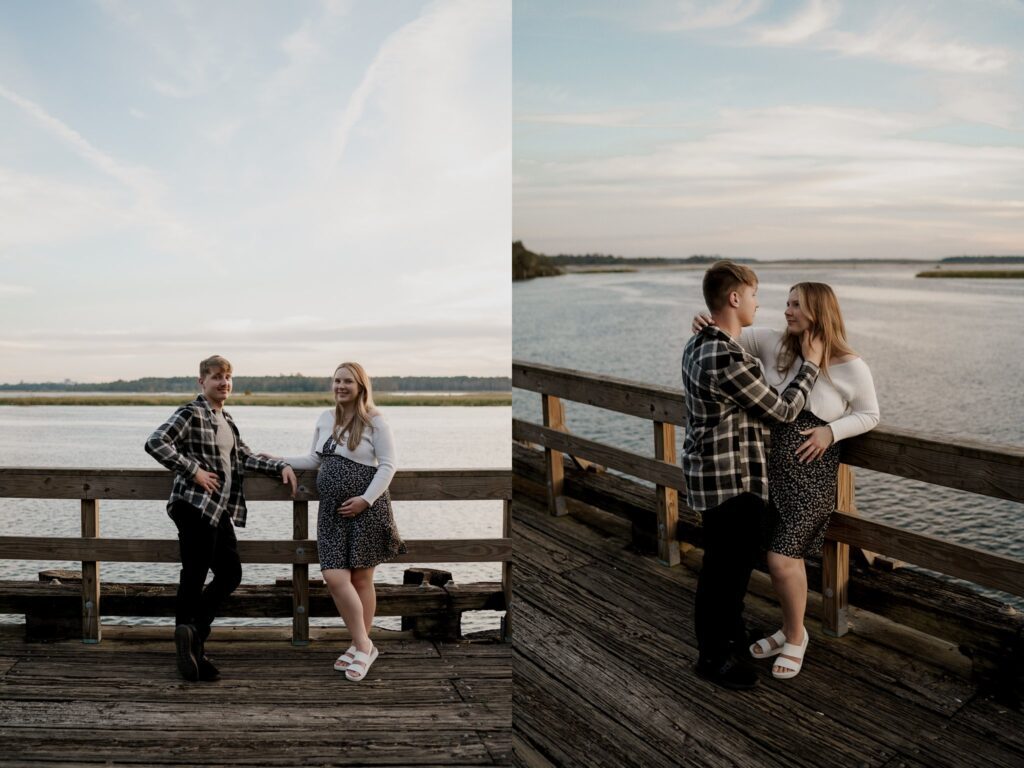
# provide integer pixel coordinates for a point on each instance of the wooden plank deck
(122, 701)
(603, 657)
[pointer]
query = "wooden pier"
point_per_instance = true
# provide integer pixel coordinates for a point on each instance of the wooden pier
(112, 694)
(903, 669)
(122, 701)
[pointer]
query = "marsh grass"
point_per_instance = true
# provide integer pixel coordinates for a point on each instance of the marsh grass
(293, 399)
(1001, 273)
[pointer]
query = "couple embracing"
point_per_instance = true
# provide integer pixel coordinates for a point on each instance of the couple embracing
(353, 450)
(808, 387)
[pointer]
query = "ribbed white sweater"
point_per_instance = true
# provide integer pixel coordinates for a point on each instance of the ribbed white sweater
(376, 449)
(848, 402)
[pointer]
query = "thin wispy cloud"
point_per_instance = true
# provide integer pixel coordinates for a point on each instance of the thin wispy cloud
(907, 39)
(705, 14)
(815, 17)
(317, 179)
(619, 118)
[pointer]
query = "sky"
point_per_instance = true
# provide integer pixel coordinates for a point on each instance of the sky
(769, 130)
(289, 185)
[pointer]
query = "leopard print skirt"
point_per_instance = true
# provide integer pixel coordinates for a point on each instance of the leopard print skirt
(363, 541)
(801, 496)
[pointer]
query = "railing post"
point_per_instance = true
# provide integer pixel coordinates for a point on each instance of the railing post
(554, 417)
(667, 498)
(300, 577)
(506, 574)
(835, 565)
(90, 575)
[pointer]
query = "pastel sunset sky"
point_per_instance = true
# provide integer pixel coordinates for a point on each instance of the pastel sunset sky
(766, 129)
(288, 184)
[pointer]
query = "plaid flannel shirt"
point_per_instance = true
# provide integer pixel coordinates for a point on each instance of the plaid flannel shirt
(188, 441)
(727, 402)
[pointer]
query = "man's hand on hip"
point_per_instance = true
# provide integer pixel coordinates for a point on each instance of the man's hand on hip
(208, 481)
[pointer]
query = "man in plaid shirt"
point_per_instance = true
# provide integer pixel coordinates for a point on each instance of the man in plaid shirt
(727, 402)
(201, 445)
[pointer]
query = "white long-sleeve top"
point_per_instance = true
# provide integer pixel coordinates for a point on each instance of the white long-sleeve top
(375, 449)
(845, 398)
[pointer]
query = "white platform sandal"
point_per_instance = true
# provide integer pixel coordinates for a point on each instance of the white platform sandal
(342, 662)
(791, 667)
(763, 649)
(363, 660)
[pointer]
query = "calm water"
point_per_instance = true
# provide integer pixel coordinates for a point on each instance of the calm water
(102, 436)
(947, 358)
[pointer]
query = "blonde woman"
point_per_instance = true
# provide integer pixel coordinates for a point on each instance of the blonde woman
(803, 462)
(355, 531)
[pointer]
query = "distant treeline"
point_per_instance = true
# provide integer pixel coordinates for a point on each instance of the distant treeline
(983, 260)
(526, 264)
(594, 259)
(293, 383)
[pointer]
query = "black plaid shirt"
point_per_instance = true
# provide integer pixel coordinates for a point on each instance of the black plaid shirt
(727, 401)
(188, 441)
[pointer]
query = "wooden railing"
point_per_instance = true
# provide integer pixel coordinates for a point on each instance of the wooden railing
(990, 470)
(93, 485)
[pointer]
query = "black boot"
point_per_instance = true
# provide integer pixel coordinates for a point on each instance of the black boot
(207, 672)
(184, 646)
(728, 672)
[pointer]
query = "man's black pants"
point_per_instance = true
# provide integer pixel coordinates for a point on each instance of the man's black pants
(204, 548)
(732, 545)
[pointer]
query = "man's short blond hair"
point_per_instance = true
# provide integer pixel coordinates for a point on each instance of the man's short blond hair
(215, 363)
(722, 278)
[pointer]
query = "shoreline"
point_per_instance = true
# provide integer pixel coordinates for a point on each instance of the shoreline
(285, 399)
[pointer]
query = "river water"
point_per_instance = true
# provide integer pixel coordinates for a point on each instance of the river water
(947, 357)
(110, 436)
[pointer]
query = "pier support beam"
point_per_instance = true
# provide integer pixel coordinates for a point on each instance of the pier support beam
(90, 575)
(554, 417)
(667, 498)
(835, 565)
(506, 574)
(300, 577)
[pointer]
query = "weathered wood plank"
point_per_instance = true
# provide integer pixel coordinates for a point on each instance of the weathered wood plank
(964, 562)
(264, 551)
(249, 747)
(251, 600)
(659, 472)
(632, 397)
(506, 572)
(146, 484)
(667, 499)
(990, 469)
(554, 418)
(90, 575)
(276, 704)
(300, 576)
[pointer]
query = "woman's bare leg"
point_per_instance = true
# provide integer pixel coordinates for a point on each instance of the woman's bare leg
(349, 605)
(362, 580)
(789, 578)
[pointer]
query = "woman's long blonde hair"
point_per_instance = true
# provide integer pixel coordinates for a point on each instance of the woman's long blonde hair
(819, 305)
(365, 408)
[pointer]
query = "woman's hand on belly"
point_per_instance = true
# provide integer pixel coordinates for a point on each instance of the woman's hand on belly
(352, 507)
(815, 445)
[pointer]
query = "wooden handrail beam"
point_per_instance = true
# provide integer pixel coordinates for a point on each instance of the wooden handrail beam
(263, 551)
(153, 484)
(623, 395)
(654, 470)
(989, 469)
